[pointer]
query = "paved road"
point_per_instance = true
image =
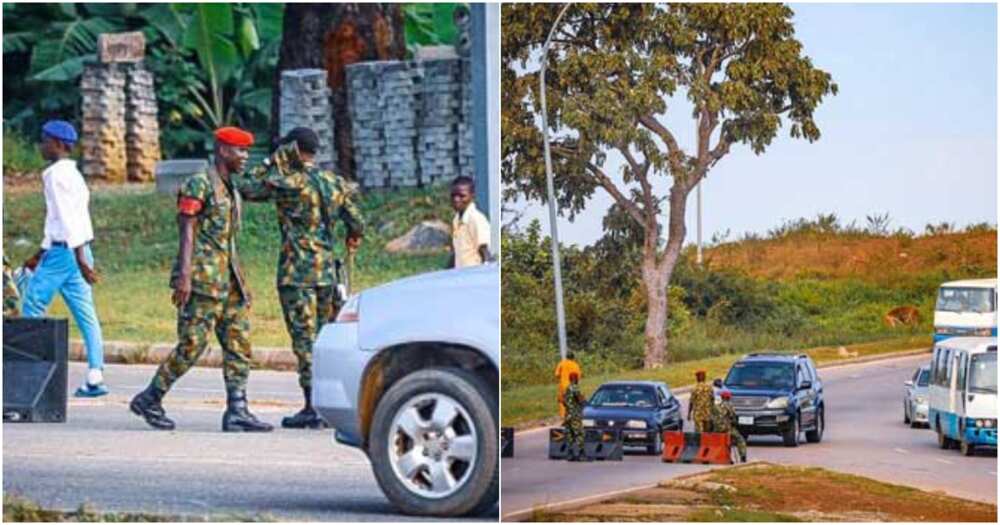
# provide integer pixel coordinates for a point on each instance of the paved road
(865, 435)
(108, 457)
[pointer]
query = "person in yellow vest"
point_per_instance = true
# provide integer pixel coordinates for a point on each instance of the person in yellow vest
(564, 369)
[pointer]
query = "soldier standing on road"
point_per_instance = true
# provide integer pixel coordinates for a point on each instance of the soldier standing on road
(209, 290)
(10, 294)
(564, 369)
(573, 400)
(470, 229)
(724, 421)
(309, 201)
(700, 403)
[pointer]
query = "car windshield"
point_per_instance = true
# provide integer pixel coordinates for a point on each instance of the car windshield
(624, 396)
(761, 375)
(983, 373)
(976, 300)
(925, 377)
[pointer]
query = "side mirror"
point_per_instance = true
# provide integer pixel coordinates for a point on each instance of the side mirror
(908, 383)
(717, 383)
(806, 385)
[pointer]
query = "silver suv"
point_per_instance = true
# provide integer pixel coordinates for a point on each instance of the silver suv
(409, 373)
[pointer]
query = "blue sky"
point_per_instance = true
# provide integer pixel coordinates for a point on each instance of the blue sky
(912, 133)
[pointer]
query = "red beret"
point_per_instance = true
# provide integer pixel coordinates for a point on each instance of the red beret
(234, 136)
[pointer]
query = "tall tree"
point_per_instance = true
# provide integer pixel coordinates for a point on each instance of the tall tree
(612, 73)
(331, 36)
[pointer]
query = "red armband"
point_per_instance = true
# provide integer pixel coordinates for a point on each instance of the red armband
(188, 206)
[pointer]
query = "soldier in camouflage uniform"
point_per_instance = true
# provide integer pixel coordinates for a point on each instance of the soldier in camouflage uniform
(700, 403)
(573, 423)
(10, 295)
(210, 292)
(724, 421)
(309, 201)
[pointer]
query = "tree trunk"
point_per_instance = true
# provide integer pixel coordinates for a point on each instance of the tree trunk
(332, 36)
(656, 273)
(656, 311)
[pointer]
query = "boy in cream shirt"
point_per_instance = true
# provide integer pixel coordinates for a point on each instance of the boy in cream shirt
(470, 229)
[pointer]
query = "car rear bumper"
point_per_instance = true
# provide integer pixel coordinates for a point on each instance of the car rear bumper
(338, 366)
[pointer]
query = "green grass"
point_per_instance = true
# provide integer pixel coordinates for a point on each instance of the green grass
(739, 515)
(526, 406)
(136, 243)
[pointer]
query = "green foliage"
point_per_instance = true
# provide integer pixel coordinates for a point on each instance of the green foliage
(20, 154)
(431, 24)
(213, 63)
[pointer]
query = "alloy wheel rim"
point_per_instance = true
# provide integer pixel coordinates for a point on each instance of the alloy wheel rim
(433, 445)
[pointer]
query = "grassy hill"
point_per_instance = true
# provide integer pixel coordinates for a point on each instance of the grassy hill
(136, 242)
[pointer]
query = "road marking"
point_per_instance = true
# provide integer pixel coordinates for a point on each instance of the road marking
(901, 451)
(572, 502)
(945, 461)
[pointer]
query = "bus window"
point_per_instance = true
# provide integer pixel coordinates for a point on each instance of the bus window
(949, 364)
(983, 373)
(978, 300)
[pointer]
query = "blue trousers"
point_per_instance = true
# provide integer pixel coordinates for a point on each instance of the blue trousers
(59, 272)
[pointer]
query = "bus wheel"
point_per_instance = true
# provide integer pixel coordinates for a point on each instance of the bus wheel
(966, 448)
(943, 441)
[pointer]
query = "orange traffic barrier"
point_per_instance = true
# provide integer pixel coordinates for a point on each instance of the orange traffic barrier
(694, 447)
(715, 448)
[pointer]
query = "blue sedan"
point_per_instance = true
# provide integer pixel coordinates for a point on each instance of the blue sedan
(642, 410)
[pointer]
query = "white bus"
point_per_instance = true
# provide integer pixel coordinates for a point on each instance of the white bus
(963, 393)
(966, 308)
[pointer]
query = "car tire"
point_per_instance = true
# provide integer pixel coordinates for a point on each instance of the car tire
(791, 436)
(906, 413)
(966, 448)
(816, 435)
(480, 491)
(657, 447)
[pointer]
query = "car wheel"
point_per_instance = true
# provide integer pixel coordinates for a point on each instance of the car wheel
(791, 436)
(657, 447)
(816, 435)
(966, 448)
(434, 445)
(906, 413)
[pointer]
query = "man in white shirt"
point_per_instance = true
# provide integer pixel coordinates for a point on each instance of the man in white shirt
(470, 230)
(64, 263)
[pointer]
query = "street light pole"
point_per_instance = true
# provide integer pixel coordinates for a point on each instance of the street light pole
(560, 312)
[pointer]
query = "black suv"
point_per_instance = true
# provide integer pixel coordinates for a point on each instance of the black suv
(777, 394)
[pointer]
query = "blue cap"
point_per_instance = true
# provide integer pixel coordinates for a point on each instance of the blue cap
(61, 130)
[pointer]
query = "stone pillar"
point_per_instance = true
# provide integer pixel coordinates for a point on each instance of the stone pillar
(103, 130)
(363, 80)
(142, 131)
(305, 102)
(399, 110)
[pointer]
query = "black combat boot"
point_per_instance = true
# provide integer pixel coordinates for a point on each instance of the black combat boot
(146, 404)
(237, 418)
(305, 418)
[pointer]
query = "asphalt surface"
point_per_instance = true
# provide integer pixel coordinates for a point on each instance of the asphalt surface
(865, 435)
(108, 457)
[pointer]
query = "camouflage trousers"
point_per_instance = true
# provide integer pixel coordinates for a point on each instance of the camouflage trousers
(737, 439)
(10, 294)
(702, 424)
(306, 310)
(574, 434)
(229, 318)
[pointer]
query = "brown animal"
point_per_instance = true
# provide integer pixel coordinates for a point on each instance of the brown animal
(902, 316)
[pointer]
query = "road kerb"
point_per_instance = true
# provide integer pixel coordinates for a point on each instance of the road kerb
(129, 353)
